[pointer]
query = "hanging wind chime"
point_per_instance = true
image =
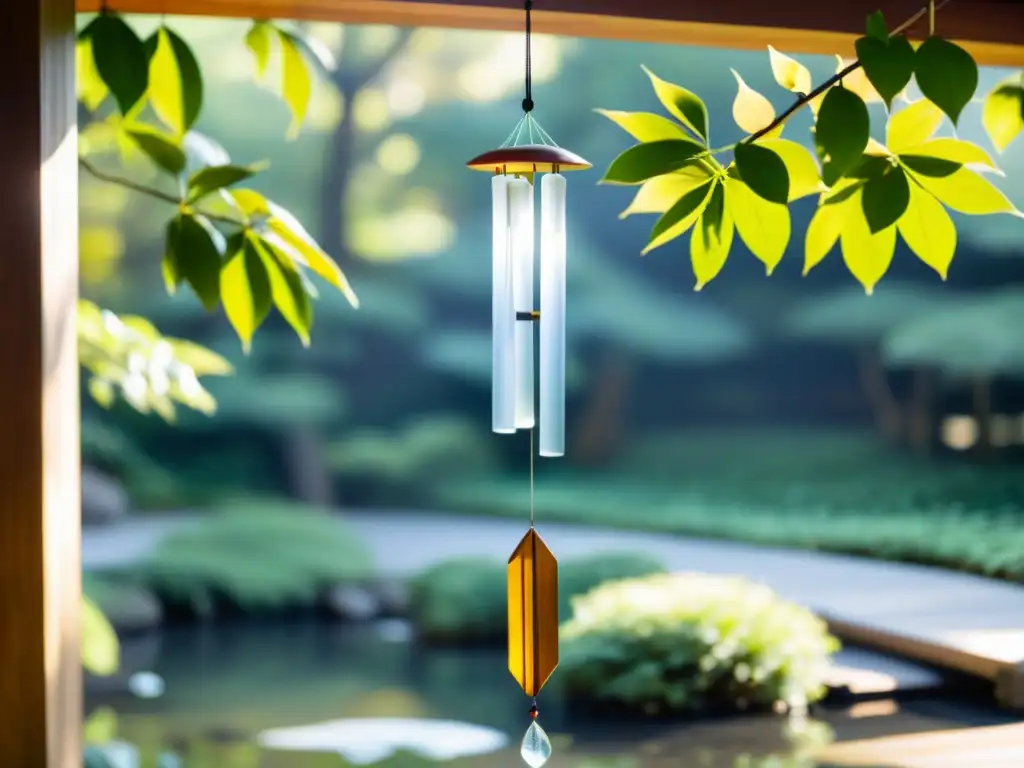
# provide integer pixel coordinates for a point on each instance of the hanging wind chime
(532, 569)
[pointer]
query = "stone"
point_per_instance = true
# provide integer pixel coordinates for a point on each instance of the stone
(352, 603)
(104, 499)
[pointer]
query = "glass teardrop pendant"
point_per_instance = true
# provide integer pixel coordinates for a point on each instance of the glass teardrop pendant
(536, 747)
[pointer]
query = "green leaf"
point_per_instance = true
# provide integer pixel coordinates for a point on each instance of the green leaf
(823, 232)
(946, 75)
(644, 126)
(101, 653)
(711, 239)
(762, 225)
(680, 217)
(751, 111)
(842, 132)
(912, 125)
(885, 198)
(120, 58)
(1003, 113)
(867, 255)
(257, 39)
(287, 289)
(102, 391)
(202, 361)
(207, 180)
(92, 91)
(953, 150)
(763, 171)
(804, 177)
(175, 81)
(161, 148)
(193, 253)
(307, 252)
(245, 289)
(789, 73)
(876, 28)
(888, 64)
(936, 167)
(683, 105)
(967, 192)
(296, 84)
(928, 230)
(659, 194)
(653, 158)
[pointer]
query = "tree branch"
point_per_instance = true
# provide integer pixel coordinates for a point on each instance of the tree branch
(156, 194)
(838, 77)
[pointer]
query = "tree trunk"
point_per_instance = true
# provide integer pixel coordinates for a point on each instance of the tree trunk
(308, 475)
(602, 426)
(884, 406)
(921, 427)
(981, 397)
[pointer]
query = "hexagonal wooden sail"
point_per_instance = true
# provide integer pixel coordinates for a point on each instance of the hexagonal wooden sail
(532, 613)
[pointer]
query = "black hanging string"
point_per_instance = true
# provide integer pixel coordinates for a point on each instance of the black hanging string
(528, 101)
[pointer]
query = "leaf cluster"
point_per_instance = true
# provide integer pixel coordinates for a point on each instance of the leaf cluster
(230, 245)
(867, 192)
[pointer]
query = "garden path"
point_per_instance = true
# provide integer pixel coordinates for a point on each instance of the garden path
(956, 620)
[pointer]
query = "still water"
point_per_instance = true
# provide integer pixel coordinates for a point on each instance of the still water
(321, 696)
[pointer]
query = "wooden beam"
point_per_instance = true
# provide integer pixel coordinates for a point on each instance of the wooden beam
(40, 539)
(993, 30)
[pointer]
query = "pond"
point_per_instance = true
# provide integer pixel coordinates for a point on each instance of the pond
(243, 696)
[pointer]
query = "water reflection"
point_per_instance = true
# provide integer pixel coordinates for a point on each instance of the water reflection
(323, 697)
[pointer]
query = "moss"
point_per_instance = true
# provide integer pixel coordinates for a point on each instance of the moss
(256, 556)
(463, 601)
(681, 643)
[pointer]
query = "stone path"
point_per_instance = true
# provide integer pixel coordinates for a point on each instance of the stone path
(960, 621)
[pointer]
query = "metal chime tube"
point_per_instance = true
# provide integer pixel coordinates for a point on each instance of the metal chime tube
(552, 314)
(521, 238)
(503, 315)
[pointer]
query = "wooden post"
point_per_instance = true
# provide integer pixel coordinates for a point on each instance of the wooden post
(40, 536)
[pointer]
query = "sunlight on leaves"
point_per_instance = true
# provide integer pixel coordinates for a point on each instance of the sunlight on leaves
(967, 192)
(681, 216)
(928, 230)
(884, 198)
(867, 255)
(954, 151)
(120, 59)
(161, 148)
(857, 82)
(1003, 113)
(296, 82)
(101, 653)
(711, 239)
(789, 73)
(175, 81)
(258, 40)
(644, 126)
(657, 195)
(683, 105)
(92, 91)
(763, 172)
(823, 232)
(245, 289)
(804, 177)
(763, 226)
(912, 125)
(750, 110)
(842, 132)
(654, 158)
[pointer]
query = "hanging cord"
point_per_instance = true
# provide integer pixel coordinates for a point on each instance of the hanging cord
(531, 477)
(528, 101)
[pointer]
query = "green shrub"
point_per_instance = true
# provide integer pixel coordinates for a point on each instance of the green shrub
(685, 642)
(256, 555)
(464, 600)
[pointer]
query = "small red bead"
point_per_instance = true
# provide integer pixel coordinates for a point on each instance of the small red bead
(534, 712)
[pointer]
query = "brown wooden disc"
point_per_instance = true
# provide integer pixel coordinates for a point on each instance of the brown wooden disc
(528, 158)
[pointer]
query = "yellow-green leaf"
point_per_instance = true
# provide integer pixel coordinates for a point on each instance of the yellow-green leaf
(789, 73)
(193, 253)
(762, 225)
(953, 150)
(751, 111)
(659, 194)
(653, 158)
(857, 81)
(258, 41)
(92, 91)
(711, 239)
(307, 252)
(101, 653)
(296, 83)
(175, 81)
(102, 391)
(644, 126)
(207, 180)
(680, 217)
(286, 289)
(823, 232)
(912, 125)
(245, 289)
(202, 361)
(1003, 113)
(804, 177)
(967, 192)
(867, 255)
(684, 106)
(928, 230)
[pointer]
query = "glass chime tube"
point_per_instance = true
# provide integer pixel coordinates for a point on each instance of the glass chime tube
(521, 214)
(503, 315)
(552, 315)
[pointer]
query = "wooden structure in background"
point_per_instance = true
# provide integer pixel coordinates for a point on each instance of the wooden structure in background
(993, 30)
(40, 679)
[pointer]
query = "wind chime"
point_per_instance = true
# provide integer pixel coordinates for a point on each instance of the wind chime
(532, 569)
